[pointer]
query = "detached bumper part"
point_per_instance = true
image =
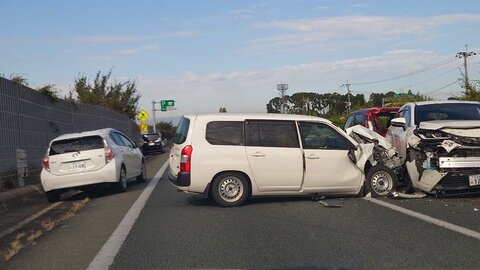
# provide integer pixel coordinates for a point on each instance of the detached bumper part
(181, 180)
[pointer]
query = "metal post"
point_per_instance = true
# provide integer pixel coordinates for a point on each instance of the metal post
(154, 118)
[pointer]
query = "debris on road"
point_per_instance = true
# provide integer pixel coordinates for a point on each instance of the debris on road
(415, 195)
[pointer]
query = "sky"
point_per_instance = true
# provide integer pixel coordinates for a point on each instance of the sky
(217, 53)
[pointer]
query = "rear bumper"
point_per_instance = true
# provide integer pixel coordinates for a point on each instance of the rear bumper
(181, 180)
(107, 174)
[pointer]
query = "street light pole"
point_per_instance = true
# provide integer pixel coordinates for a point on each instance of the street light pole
(154, 117)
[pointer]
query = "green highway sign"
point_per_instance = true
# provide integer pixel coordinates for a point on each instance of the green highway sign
(165, 104)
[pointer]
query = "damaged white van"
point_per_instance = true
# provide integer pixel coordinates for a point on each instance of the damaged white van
(439, 142)
(231, 157)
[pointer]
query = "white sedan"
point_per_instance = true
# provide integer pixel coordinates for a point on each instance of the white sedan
(79, 160)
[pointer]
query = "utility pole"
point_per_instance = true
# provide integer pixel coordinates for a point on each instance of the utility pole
(465, 55)
(349, 103)
(282, 89)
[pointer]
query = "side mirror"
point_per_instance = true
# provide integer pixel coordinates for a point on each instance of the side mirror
(399, 122)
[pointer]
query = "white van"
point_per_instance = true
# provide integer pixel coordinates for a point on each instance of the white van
(230, 157)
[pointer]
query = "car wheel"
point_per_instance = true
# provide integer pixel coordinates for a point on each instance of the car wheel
(53, 196)
(230, 189)
(121, 185)
(143, 174)
(380, 181)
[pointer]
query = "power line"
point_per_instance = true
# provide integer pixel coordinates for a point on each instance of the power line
(441, 88)
(430, 78)
(427, 68)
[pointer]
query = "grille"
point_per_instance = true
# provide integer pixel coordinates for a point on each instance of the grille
(454, 181)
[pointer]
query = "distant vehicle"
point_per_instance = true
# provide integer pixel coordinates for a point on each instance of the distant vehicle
(439, 142)
(376, 119)
(79, 160)
(230, 157)
(152, 143)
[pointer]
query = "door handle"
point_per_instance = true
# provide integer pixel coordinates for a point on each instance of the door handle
(313, 157)
(258, 154)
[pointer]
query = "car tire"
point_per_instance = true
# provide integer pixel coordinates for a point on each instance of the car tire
(380, 181)
(230, 189)
(143, 174)
(53, 196)
(121, 185)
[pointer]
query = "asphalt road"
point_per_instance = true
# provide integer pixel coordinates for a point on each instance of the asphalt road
(177, 230)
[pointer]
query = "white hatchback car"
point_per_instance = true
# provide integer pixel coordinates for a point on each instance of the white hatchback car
(230, 157)
(77, 160)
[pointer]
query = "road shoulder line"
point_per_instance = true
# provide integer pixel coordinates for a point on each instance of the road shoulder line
(429, 219)
(106, 255)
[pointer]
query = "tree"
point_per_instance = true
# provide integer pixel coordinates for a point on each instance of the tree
(222, 110)
(471, 92)
(118, 96)
(19, 79)
(50, 91)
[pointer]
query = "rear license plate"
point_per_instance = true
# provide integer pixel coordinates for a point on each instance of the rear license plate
(77, 166)
(474, 180)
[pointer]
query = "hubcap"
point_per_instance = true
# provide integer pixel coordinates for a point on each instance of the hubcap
(230, 189)
(382, 183)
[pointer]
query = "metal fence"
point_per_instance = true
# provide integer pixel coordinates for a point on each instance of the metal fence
(30, 119)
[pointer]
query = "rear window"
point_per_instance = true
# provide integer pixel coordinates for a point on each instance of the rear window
(76, 145)
(182, 131)
(151, 137)
(384, 118)
(225, 133)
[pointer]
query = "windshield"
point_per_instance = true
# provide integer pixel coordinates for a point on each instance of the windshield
(449, 111)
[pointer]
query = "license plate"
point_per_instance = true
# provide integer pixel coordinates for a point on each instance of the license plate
(77, 166)
(151, 143)
(474, 180)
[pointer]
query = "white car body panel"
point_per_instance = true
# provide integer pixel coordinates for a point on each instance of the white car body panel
(271, 170)
(60, 176)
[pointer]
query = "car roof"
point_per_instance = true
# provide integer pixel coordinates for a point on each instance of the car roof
(264, 116)
(377, 110)
(420, 103)
(99, 132)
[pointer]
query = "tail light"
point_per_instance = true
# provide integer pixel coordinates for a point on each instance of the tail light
(108, 153)
(46, 163)
(186, 159)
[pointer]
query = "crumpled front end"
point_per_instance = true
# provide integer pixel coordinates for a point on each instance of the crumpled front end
(444, 158)
(374, 149)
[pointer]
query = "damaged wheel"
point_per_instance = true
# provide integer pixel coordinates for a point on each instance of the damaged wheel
(380, 181)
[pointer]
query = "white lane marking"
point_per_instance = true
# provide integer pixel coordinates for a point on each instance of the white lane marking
(106, 255)
(429, 219)
(27, 220)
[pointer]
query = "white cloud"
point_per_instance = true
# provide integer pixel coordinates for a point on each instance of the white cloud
(113, 55)
(249, 91)
(129, 38)
(299, 33)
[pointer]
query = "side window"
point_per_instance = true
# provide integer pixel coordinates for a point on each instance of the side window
(321, 136)
(225, 133)
(349, 122)
(126, 141)
(115, 137)
(271, 133)
(359, 119)
(182, 131)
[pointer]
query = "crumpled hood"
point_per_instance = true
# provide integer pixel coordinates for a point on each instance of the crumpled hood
(451, 124)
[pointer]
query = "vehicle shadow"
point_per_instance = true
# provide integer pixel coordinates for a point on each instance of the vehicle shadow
(100, 191)
(199, 200)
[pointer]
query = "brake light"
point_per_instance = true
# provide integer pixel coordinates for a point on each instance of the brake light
(46, 163)
(186, 159)
(108, 153)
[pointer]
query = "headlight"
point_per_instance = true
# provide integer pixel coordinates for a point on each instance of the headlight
(158, 140)
(431, 134)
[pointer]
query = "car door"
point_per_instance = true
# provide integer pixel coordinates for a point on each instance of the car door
(327, 165)
(274, 154)
(132, 156)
